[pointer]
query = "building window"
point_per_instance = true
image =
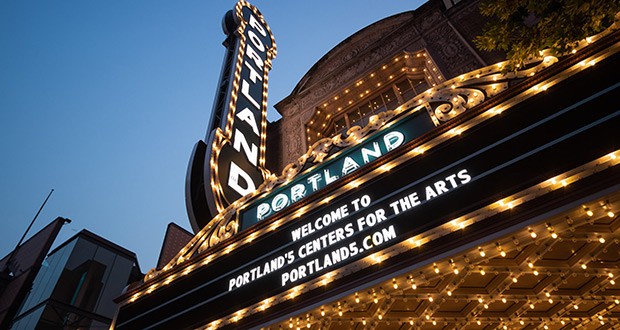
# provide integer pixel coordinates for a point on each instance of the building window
(388, 99)
(390, 85)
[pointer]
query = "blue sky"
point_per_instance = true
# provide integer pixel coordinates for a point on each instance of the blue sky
(103, 101)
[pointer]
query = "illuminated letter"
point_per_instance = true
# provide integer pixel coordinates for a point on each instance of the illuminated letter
(298, 192)
(247, 116)
(254, 56)
(255, 24)
(279, 202)
(240, 141)
(233, 180)
(329, 179)
(430, 193)
(349, 165)
(464, 176)
(393, 140)
(262, 210)
(314, 180)
(253, 73)
(376, 152)
(256, 41)
(245, 90)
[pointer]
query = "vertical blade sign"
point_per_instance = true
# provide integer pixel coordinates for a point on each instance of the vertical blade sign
(234, 155)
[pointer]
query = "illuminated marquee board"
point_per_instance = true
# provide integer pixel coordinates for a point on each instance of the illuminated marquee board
(231, 163)
(280, 265)
(416, 123)
(351, 228)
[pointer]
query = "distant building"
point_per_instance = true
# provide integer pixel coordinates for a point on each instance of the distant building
(174, 240)
(76, 285)
(20, 267)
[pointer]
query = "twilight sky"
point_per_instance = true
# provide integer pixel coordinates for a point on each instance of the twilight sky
(103, 101)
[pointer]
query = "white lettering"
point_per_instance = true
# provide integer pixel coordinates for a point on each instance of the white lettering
(262, 211)
(253, 55)
(250, 153)
(464, 176)
(236, 173)
(245, 90)
(255, 24)
(375, 152)
(329, 178)
(393, 140)
(247, 116)
(279, 202)
(298, 192)
(253, 73)
(349, 165)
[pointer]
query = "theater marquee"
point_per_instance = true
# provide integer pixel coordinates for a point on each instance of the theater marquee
(378, 202)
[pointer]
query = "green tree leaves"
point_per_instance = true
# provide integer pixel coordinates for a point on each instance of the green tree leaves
(522, 28)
